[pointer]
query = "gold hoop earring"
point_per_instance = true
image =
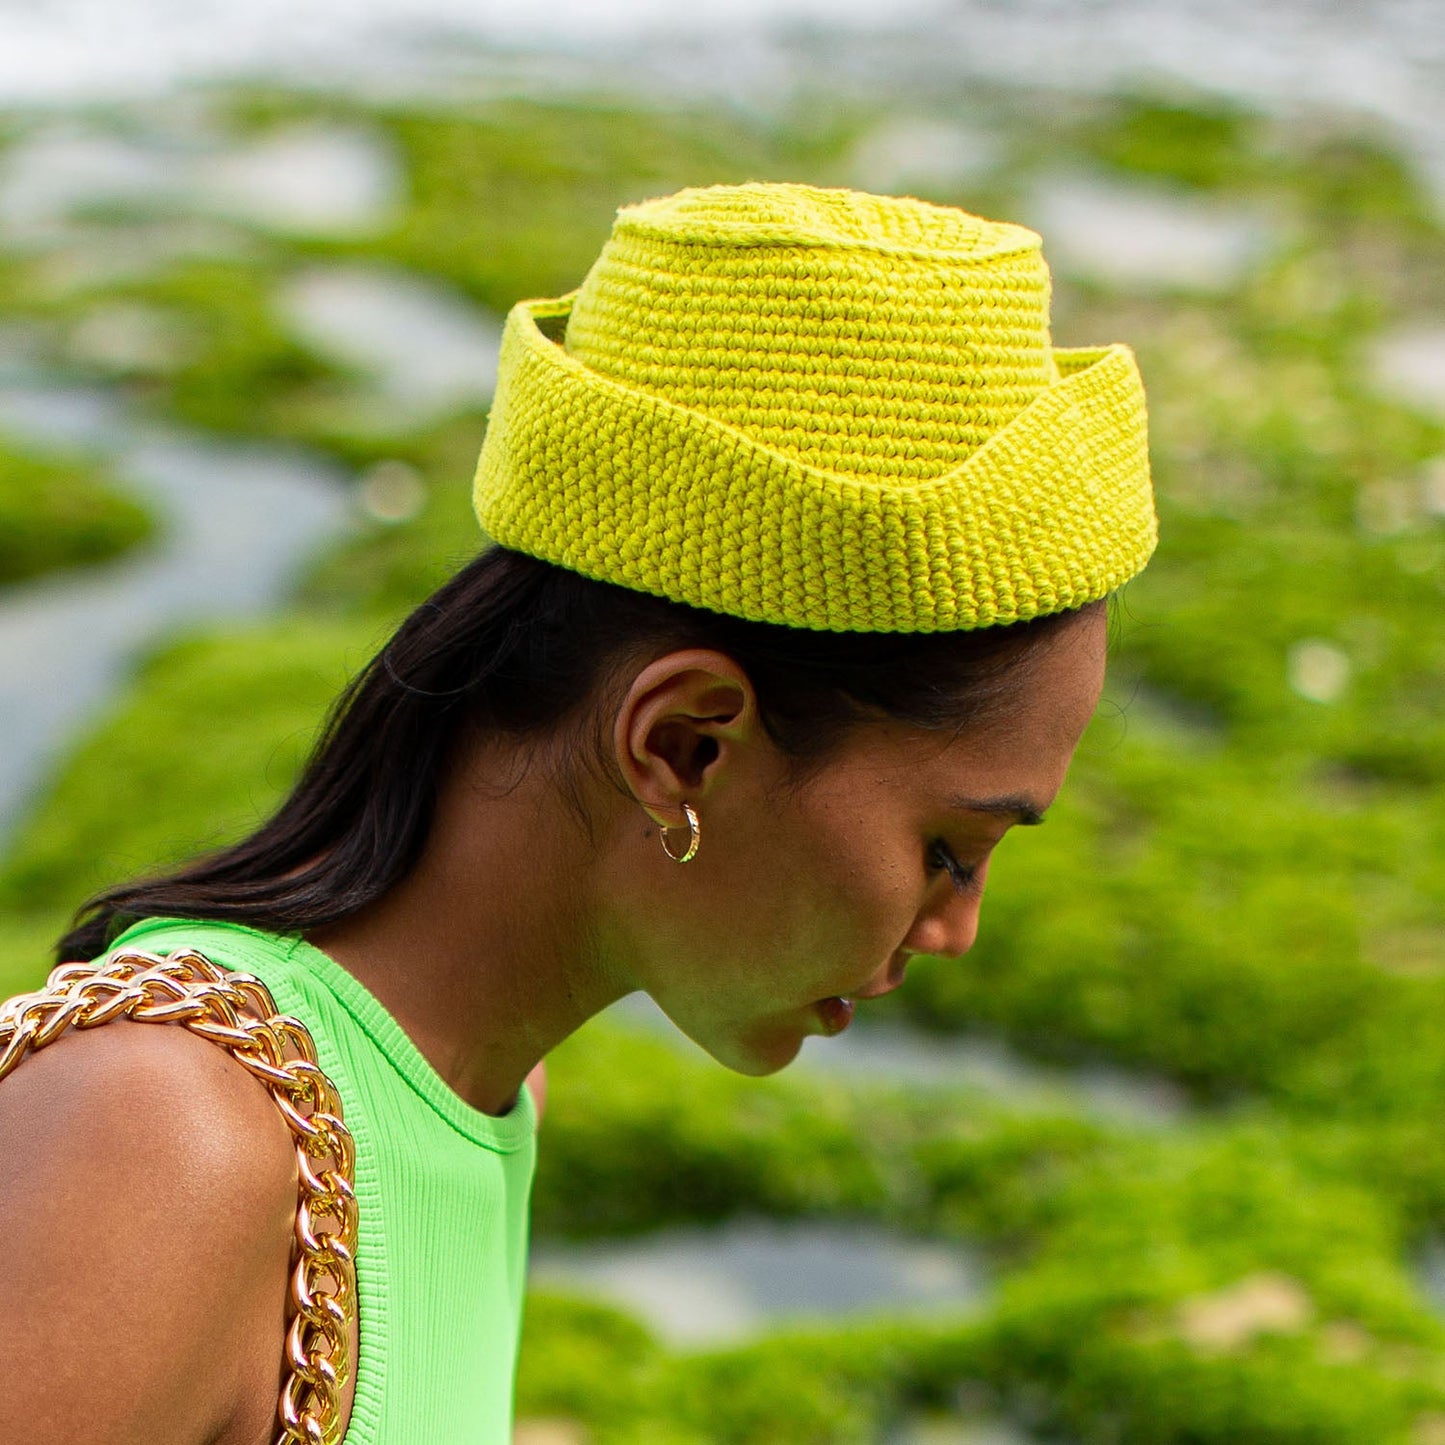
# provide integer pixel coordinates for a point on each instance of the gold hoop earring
(694, 837)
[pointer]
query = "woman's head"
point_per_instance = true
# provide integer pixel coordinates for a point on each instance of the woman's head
(803, 522)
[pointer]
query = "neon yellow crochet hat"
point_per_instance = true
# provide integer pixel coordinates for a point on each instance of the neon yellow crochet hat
(820, 408)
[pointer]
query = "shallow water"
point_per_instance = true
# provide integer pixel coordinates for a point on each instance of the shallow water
(239, 521)
(304, 179)
(699, 1286)
(905, 1055)
(905, 154)
(425, 347)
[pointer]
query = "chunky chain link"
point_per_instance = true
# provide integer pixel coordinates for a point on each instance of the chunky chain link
(238, 1012)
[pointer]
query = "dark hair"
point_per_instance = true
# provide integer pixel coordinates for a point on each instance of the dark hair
(519, 647)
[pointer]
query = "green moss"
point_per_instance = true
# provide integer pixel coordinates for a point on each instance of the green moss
(583, 1361)
(56, 514)
(1365, 181)
(1055, 1366)
(208, 738)
(701, 1145)
(1177, 1239)
(1238, 930)
(1204, 144)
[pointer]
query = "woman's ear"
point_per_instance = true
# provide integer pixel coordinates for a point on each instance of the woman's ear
(679, 728)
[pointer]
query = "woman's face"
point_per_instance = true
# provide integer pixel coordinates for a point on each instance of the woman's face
(806, 899)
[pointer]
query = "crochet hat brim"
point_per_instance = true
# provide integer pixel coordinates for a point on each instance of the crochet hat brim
(1053, 511)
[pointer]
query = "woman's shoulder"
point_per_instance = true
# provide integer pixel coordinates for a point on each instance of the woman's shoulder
(153, 1090)
(147, 1195)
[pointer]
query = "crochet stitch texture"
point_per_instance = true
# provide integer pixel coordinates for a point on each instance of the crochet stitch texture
(821, 408)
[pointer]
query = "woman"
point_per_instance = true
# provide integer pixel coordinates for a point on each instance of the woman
(803, 530)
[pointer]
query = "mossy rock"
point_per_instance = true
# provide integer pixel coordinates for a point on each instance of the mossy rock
(55, 515)
(1241, 888)
(1207, 144)
(1233, 1281)
(242, 371)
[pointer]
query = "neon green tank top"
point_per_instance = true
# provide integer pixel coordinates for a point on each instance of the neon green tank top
(442, 1192)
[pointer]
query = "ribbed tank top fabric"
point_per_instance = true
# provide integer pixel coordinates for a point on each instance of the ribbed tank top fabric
(442, 1194)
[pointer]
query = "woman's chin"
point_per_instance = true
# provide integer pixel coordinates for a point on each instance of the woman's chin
(761, 1050)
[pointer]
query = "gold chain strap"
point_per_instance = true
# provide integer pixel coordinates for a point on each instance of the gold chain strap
(238, 1012)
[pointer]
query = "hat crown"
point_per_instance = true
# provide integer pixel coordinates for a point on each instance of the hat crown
(821, 409)
(874, 337)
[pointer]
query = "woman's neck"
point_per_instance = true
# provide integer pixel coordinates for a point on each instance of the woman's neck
(484, 953)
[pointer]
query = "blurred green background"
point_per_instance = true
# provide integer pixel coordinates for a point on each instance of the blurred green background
(1161, 1160)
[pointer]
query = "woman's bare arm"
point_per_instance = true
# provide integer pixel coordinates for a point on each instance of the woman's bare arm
(537, 1083)
(147, 1195)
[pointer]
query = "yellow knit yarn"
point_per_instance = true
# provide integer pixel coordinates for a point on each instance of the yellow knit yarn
(820, 408)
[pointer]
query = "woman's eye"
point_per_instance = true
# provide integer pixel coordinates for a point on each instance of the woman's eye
(941, 860)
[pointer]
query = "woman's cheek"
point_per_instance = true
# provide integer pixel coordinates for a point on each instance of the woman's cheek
(869, 914)
(889, 896)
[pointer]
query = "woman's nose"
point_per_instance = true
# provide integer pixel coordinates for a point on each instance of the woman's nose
(947, 934)
(948, 924)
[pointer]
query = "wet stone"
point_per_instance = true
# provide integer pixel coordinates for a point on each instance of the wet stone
(62, 417)
(1318, 670)
(307, 179)
(912, 154)
(1428, 1270)
(1143, 237)
(1265, 1303)
(391, 491)
(127, 336)
(59, 172)
(549, 1432)
(95, 256)
(22, 343)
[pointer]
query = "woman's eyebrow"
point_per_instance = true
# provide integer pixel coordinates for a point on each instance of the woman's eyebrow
(1025, 813)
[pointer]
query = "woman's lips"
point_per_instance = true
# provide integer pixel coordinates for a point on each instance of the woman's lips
(835, 1014)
